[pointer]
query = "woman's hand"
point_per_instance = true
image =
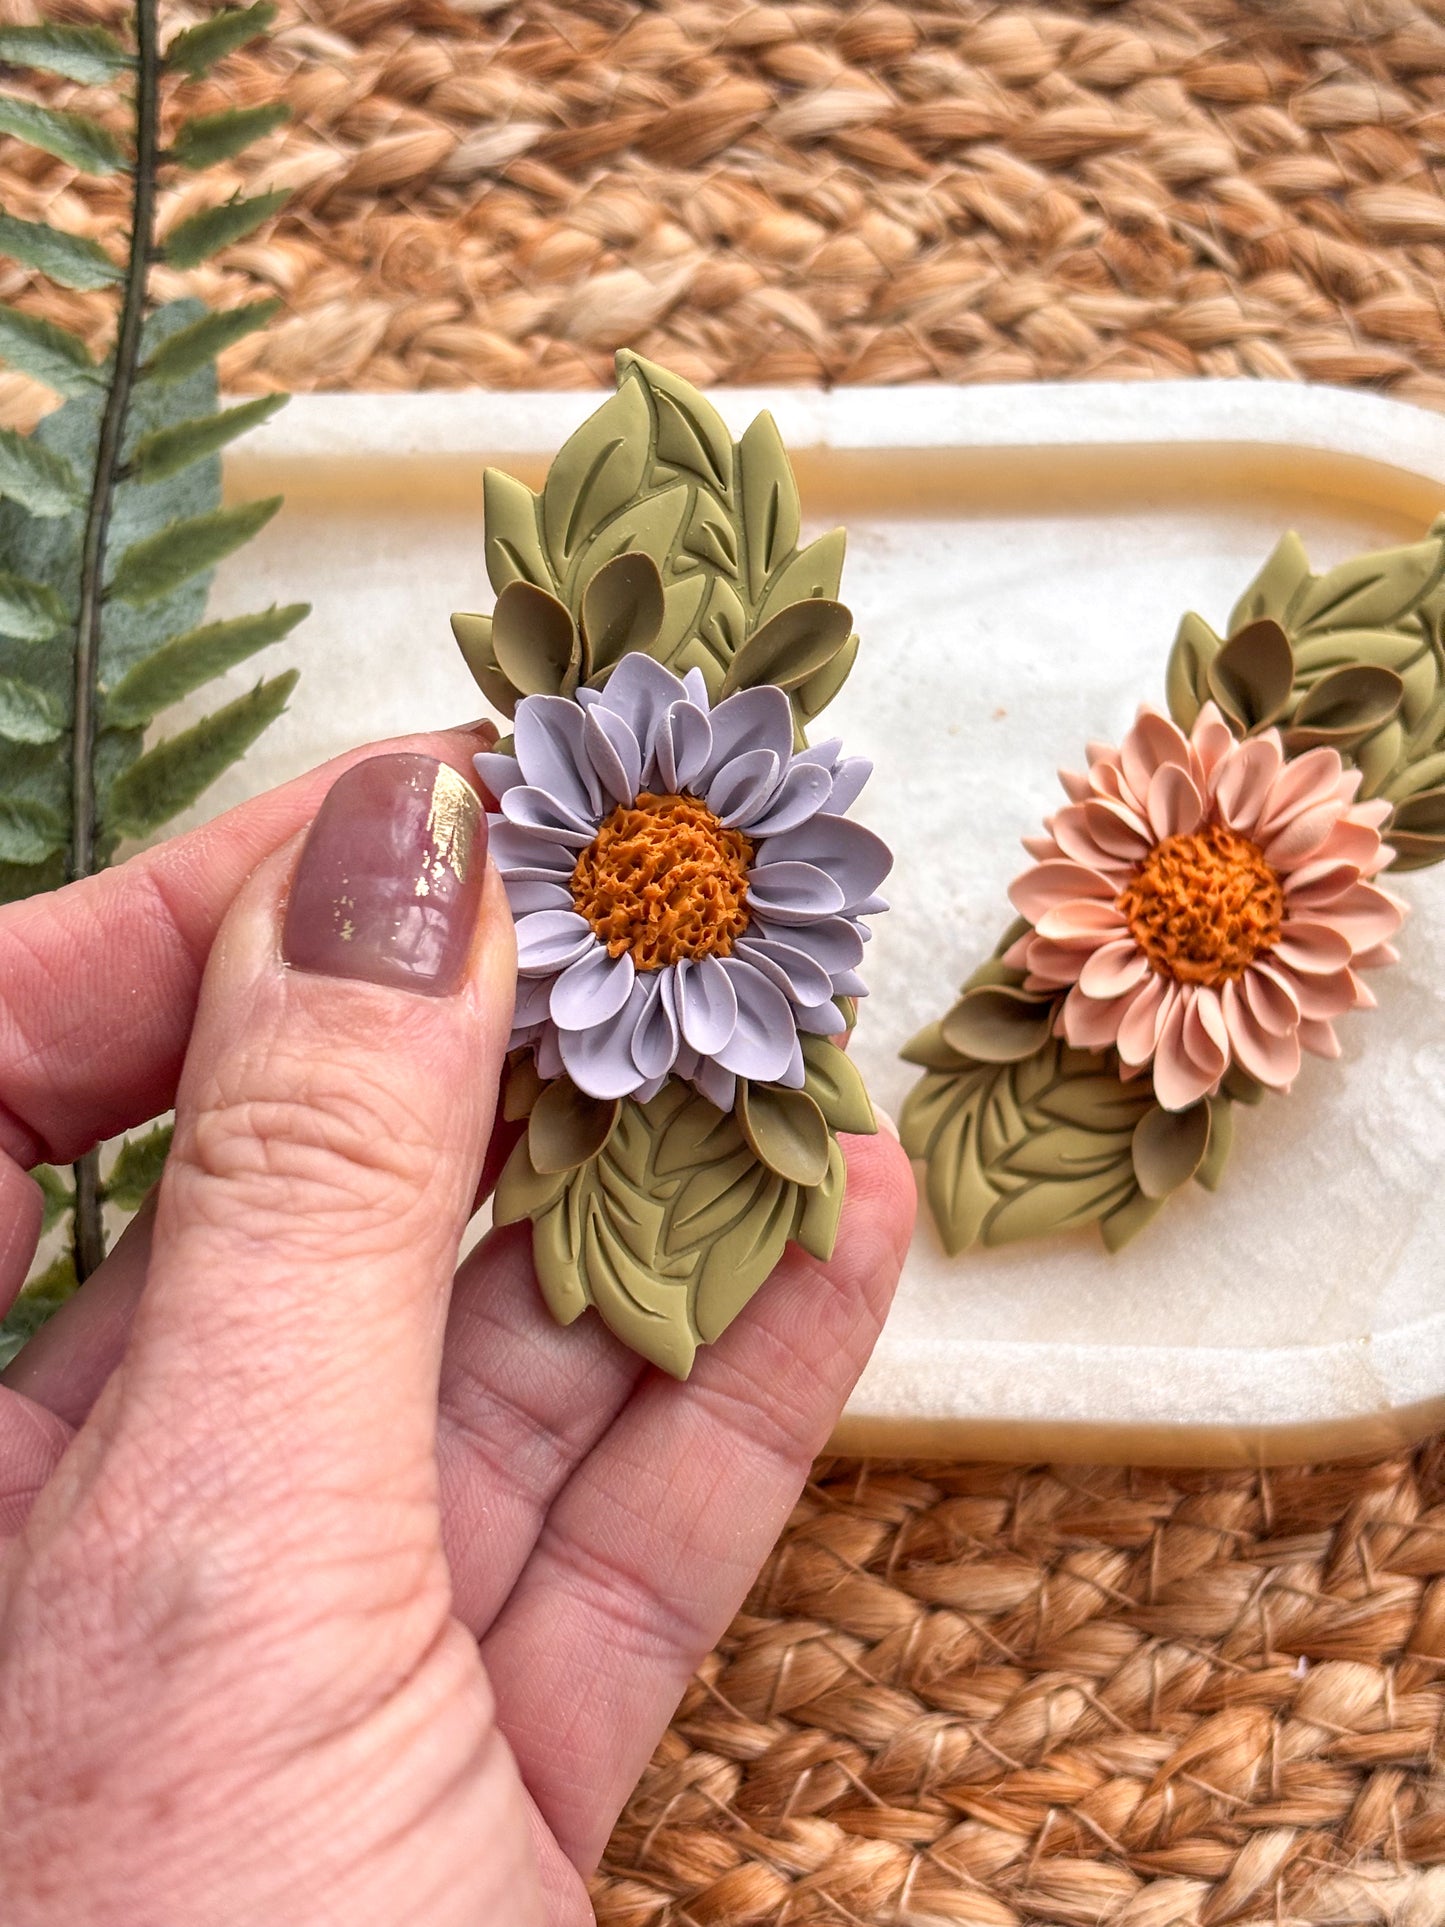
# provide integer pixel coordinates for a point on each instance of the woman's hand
(335, 1588)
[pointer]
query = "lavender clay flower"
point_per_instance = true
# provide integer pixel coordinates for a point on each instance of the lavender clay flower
(688, 892)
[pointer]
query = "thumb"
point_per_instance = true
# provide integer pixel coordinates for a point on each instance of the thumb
(333, 1111)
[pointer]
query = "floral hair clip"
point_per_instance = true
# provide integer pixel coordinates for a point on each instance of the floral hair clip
(1200, 912)
(689, 892)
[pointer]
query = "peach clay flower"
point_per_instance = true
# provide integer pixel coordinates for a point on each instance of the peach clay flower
(1205, 903)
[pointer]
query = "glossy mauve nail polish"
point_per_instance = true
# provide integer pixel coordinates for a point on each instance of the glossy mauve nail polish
(390, 878)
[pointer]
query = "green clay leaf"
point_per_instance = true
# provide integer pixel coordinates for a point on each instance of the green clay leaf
(595, 473)
(138, 1167)
(86, 54)
(210, 138)
(1253, 674)
(37, 347)
(535, 642)
(1371, 591)
(691, 435)
(169, 777)
(514, 549)
(191, 347)
(76, 139)
(40, 1300)
(474, 639)
(791, 647)
(154, 566)
(1169, 1147)
(812, 697)
(814, 574)
(1221, 1140)
(521, 1087)
(1275, 589)
(32, 475)
(821, 1206)
(188, 662)
(166, 451)
(567, 1127)
(928, 1049)
(622, 610)
(998, 1024)
(1127, 1220)
(772, 514)
(785, 1130)
(69, 259)
(59, 1196)
(1420, 815)
(1345, 705)
(29, 832)
(834, 1083)
(214, 228)
(28, 714)
(29, 611)
(1187, 677)
(199, 48)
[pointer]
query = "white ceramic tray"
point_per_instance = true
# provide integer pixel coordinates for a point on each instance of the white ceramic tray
(1018, 560)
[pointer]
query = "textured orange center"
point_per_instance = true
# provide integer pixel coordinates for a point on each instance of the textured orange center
(664, 880)
(1203, 906)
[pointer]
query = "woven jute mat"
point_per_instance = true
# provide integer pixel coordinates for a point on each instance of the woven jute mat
(1000, 1696)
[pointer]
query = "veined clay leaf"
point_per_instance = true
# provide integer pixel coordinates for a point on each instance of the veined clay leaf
(37, 347)
(514, 549)
(87, 54)
(201, 341)
(214, 228)
(169, 778)
(772, 514)
(153, 567)
(138, 1167)
(166, 451)
(597, 471)
(198, 49)
(77, 140)
(29, 611)
(70, 259)
(210, 138)
(29, 832)
(191, 661)
(41, 482)
(27, 714)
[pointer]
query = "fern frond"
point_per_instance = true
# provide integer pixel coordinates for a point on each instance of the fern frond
(198, 49)
(166, 451)
(169, 778)
(216, 137)
(189, 662)
(152, 568)
(87, 54)
(27, 714)
(37, 347)
(69, 259)
(75, 139)
(192, 347)
(30, 475)
(214, 228)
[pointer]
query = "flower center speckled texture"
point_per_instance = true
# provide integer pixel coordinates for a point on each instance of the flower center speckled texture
(1204, 905)
(665, 880)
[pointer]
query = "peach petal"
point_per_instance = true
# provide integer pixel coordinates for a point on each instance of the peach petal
(1322, 881)
(1314, 948)
(1043, 849)
(1113, 969)
(1139, 1026)
(1356, 843)
(1089, 1022)
(1318, 1036)
(1273, 1060)
(1365, 915)
(1058, 963)
(1272, 1004)
(1206, 1005)
(1073, 831)
(1376, 957)
(1211, 739)
(1204, 1050)
(1076, 786)
(1084, 919)
(1017, 954)
(1175, 805)
(1329, 996)
(1117, 830)
(1242, 784)
(1375, 812)
(1300, 785)
(1105, 781)
(1283, 986)
(1152, 744)
(1049, 884)
(1302, 836)
(1178, 1080)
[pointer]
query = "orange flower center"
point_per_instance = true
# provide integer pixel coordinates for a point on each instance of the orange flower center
(1203, 906)
(665, 880)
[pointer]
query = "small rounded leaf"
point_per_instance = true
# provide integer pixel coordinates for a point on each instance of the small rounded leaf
(567, 1127)
(622, 609)
(1346, 704)
(791, 646)
(535, 641)
(1253, 674)
(1169, 1146)
(997, 1024)
(786, 1131)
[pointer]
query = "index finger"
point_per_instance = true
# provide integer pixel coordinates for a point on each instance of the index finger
(99, 981)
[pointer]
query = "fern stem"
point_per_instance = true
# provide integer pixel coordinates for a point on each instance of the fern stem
(89, 1227)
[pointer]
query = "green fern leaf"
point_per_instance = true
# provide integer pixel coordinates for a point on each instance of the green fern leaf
(27, 714)
(29, 832)
(48, 353)
(153, 567)
(190, 348)
(197, 50)
(87, 54)
(29, 611)
(67, 258)
(169, 778)
(190, 661)
(41, 482)
(168, 450)
(138, 1167)
(39, 1301)
(215, 228)
(73, 138)
(58, 1195)
(216, 137)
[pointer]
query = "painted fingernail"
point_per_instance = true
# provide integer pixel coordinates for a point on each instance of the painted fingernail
(389, 883)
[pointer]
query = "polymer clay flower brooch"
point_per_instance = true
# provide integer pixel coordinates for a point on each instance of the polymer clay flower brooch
(1200, 911)
(690, 894)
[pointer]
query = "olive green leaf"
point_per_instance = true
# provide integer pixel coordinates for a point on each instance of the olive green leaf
(474, 639)
(998, 1023)
(1221, 1142)
(69, 259)
(39, 1301)
(41, 482)
(514, 551)
(37, 347)
(29, 611)
(188, 662)
(76, 139)
(521, 1086)
(204, 234)
(1187, 677)
(820, 1207)
(199, 48)
(566, 1127)
(772, 513)
(166, 451)
(169, 777)
(833, 1081)
(1343, 706)
(596, 472)
(785, 1130)
(1372, 591)
(812, 697)
(28, 714)
(86, 54)
(535, 641)
(1252, 675)
(622, 609)
(209, 138)
(790, 647)
(191, 347)
(1168, 1147)
(138, 1167)
(157, 564)
(1276, 588)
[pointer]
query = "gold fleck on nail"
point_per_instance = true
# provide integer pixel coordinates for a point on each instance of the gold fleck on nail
(451, 825)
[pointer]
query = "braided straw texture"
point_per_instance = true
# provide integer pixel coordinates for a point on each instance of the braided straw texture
(982, 1696)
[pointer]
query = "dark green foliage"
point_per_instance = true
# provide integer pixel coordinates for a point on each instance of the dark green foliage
(214, 228)
(169, 778)
(166, 451)
(190, 661)
(27, 714)
(192, 347)
(216, 137)
(40, 1300)
(198, 49)
(162, 562)
(74, 138)
(37, 347)
(67, 258)
(34, 477)
(137, 1168)
(87, 54)
(59, 1196)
